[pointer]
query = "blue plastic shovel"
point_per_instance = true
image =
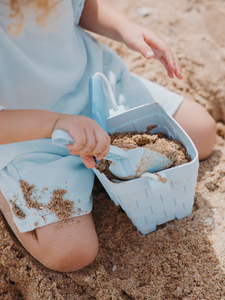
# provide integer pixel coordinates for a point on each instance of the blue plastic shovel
(125, 164)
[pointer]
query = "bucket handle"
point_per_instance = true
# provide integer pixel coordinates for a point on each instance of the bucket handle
(156, 186)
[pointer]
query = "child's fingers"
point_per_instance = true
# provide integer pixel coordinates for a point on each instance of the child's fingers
(88, 160)
(88, 148)
(168, 55)
(177, 71)
(103, 153)
(161, 49)
(164, 62)
(138, 44)
(90, 143)
(80, 140)
(144, 49)
(103, 144)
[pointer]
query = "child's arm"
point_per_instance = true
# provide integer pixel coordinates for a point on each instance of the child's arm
(101, 17)
(25, 125)
(31, 124)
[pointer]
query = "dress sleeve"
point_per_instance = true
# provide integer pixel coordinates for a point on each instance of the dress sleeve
(78, 8)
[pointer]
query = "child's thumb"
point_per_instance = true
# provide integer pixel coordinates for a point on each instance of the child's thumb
(146, 51)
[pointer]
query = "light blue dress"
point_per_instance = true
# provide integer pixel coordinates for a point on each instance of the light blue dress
(50, 70)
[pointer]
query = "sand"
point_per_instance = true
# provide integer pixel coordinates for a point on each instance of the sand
(183, 259)
(159, 143)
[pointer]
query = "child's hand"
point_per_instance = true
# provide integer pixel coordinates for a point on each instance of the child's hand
(101, 17)
(151, 45)
(90, 139)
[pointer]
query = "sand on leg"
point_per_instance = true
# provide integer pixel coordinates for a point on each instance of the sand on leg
(64, 247)
(198, 124)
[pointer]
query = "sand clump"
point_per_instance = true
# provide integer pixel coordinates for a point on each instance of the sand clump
(17, 211)
(157, 142)
(31, 201)
(63, 208)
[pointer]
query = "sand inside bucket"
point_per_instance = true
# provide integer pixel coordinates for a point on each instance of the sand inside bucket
(158, 142)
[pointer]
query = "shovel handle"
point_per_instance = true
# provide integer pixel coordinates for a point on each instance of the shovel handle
(62, 138)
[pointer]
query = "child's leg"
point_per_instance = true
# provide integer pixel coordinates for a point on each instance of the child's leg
(198, 124)
(67, 248)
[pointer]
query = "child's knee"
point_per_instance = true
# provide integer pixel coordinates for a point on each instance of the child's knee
(207, 136)
(199, 125)
(67, 248)
(69, 256)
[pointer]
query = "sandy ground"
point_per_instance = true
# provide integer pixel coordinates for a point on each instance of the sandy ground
(182, 259)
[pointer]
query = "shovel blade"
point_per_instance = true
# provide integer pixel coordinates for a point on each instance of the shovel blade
(139, 160)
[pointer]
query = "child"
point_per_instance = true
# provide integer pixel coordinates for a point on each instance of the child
(44, 86)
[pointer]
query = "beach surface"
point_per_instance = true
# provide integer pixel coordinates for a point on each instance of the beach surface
(182, 259)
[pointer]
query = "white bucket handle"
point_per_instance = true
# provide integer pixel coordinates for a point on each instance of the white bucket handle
(111, 94)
